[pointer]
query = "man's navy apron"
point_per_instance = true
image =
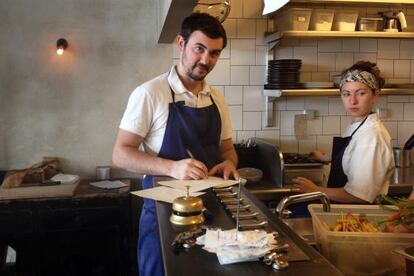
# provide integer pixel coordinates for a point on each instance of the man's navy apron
(188, 129)
(337, 177)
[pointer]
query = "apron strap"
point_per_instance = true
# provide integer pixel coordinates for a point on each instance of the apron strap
(211, 98)
(359, 126)
(172, 94)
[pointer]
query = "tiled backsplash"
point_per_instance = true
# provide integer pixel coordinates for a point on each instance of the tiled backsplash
(241, 74)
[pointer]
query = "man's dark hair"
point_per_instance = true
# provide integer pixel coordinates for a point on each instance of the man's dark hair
(205, 23)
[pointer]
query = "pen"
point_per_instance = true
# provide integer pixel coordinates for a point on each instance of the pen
(189, 153)
(192, 157)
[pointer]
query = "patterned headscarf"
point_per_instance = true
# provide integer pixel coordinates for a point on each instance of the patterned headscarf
(361, 76)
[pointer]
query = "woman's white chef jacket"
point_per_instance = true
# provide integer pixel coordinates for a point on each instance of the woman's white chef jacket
(368, 160)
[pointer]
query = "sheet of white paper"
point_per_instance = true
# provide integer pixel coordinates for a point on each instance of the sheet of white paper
(107, 184)
(162, 193)
(273, 5)
(65, 178)
(198, 185)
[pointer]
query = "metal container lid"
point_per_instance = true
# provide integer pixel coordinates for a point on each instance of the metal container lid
(367, 19)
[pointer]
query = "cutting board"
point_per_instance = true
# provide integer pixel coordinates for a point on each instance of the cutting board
(55, 191)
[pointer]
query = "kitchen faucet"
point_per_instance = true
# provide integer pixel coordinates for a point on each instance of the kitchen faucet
(289, 200)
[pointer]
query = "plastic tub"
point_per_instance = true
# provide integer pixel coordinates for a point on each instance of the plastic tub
(321, 20)
(294, 19)
(345, 20)
(370, 24)
(359, 253)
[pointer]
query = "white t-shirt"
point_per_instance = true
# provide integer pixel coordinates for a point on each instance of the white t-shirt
(368, 160)
(147, 111)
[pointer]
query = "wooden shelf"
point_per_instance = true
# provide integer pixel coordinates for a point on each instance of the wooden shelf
(335, 92)
(347, 34)
(396, 2)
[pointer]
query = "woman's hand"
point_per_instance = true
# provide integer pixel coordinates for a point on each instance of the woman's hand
(305, 185)
(225, 168)
(317, 155)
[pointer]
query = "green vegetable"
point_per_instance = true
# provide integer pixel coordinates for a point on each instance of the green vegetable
(403, 209)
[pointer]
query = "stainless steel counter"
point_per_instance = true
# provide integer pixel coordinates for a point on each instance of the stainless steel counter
(197, 261)
(402, 181)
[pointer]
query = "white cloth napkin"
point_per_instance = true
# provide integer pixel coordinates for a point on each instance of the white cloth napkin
(234, 246)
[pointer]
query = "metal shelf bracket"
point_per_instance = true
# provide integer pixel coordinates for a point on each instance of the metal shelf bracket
(270, 98)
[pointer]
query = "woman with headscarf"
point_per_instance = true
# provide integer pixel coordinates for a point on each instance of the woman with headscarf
(362, 159)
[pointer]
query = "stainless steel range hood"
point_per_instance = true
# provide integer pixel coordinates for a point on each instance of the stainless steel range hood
(170, 15)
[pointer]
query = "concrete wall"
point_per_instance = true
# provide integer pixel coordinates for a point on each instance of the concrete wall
(70, 106)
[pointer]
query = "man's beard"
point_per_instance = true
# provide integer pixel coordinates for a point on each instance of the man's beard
(190, 71)
(196, 77)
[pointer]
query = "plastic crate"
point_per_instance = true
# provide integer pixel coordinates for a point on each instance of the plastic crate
(321, 20)
(345, 20)
(359, 253)
(294, 19)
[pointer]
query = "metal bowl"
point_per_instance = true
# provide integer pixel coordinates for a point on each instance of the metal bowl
(252, 175)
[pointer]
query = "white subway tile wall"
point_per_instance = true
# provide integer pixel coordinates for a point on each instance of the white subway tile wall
(289, 144)
(335, 106)
(368, 45)
(243, 52)
(257, 75)
(405, 130)
(387, 67)
(315, 126)
(221, 73)
(350, 45)
(253, 99)
(402, 68)
(395, 111)
(318, 103)
(236, 116)
(331, 125)
(345, 122)
(234, 95)
(286, 122)
(387, 48)
(239, 75)
(308, 145)
(399, 99)
(251, 120)
(246, 28)
(409, 111)
(326, 62)
(241, 72)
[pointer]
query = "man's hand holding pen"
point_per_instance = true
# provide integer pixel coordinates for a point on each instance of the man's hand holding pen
(191, 168)
(188, 169)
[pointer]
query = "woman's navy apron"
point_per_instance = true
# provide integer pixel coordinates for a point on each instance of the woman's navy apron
(188, 129)
(337, 177)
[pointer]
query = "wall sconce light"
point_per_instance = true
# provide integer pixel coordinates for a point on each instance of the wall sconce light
(61, 46)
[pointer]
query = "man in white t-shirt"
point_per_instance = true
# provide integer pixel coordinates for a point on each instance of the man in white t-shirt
(183, 125)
